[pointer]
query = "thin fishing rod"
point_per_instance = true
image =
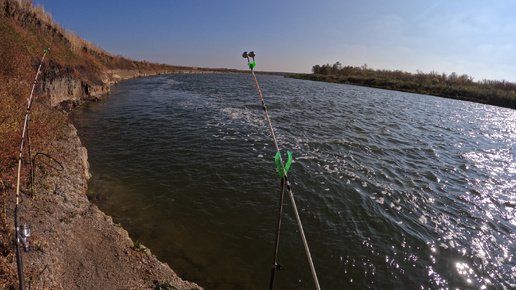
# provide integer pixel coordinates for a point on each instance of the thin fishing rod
(275, 264)
(19, 259)
(283, 172)
(31, 164)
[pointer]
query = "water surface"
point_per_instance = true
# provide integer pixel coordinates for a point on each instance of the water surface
(395, 190)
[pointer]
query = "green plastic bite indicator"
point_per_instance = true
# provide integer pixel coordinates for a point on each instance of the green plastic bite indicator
(248, 55)
(278, 164)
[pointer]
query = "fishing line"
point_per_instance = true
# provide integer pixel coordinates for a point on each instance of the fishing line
(282, 169)
(25, 230)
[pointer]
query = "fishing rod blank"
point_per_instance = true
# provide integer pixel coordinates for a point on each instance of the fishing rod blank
(24, 235)
(285, 182)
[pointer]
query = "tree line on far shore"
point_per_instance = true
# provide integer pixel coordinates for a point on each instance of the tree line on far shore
(461, 87)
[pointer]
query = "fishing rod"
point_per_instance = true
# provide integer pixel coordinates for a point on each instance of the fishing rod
(282, 169)
(23, 232)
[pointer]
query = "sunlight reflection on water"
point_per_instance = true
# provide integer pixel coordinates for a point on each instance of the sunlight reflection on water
(397, 191)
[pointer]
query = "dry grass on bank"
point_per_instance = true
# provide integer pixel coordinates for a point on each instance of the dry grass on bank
(36, 15)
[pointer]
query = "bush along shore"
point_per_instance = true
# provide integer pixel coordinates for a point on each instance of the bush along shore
(73, 245)
(454, 86)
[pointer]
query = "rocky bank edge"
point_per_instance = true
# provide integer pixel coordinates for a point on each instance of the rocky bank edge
(74, 245)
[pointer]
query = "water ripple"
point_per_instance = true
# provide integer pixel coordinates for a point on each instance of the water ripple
(396, 190)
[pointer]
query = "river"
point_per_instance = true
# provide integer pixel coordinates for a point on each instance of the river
(395, 190)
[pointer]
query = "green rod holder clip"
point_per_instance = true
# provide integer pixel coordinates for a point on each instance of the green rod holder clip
(278, 163)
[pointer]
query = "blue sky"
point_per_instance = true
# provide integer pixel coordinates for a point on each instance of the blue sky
(471, 37)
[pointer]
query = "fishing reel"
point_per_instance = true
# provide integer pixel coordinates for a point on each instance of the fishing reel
(24, 236)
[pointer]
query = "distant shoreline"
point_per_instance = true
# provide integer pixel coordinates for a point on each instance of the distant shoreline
(496, 93)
